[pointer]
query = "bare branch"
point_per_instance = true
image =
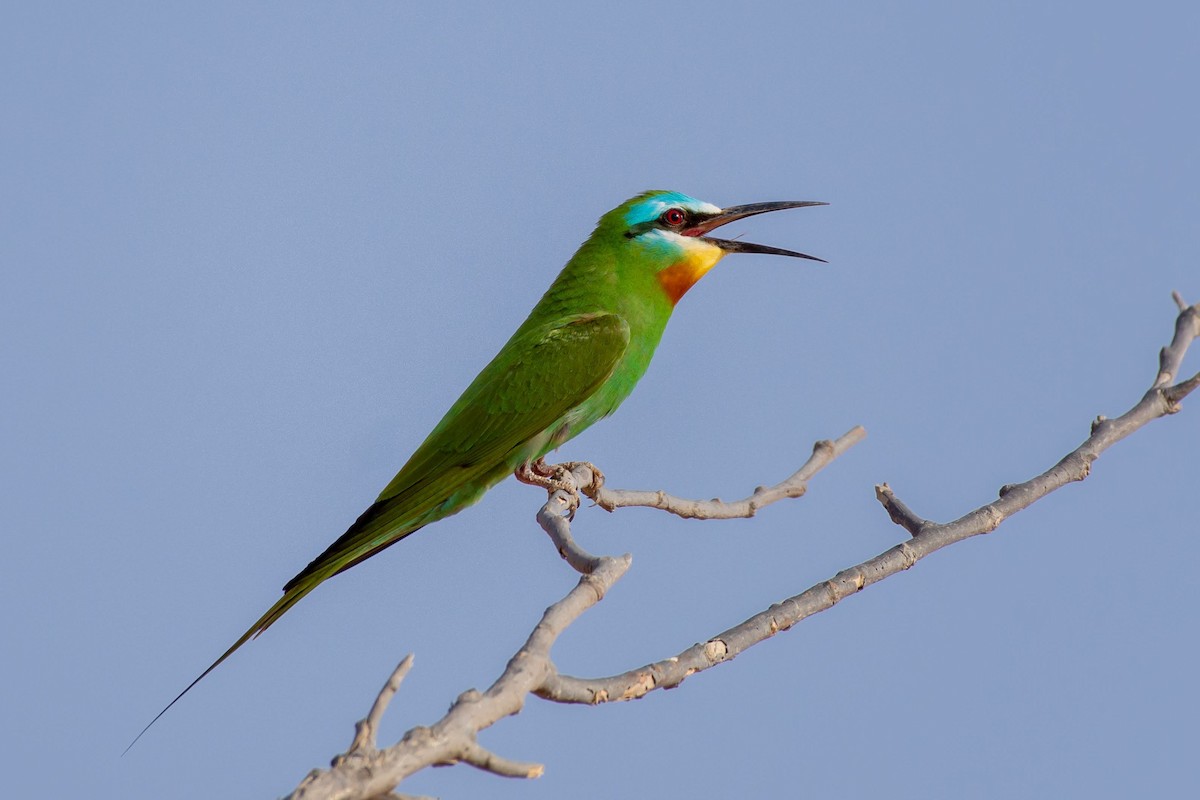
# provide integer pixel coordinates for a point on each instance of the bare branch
(1176, 393)
(478, 756)
(901, 514)
(364, 772)
(1187, 328)
(571, 479)
(554, 516)
(365, 730)
(928, 537)
(795, 485)
(368, 773)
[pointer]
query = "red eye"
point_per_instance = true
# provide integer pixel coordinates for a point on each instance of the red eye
(673, 217)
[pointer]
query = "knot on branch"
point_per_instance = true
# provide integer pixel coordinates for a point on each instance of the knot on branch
(715, 650)
(993, 518)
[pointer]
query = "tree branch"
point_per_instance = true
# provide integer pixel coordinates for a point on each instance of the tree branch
(581, 477)
(364, 772)
(795, 485)
(365, 730)
(928, 537)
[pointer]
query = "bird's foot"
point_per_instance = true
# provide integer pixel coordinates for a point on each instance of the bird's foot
(539, 473)
(597, 476)
(548, 476)
(551, 477)
(540, 467)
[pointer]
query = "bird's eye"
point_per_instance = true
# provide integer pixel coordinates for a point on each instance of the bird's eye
(673, 217)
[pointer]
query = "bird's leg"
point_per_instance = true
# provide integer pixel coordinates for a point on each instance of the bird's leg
(542, 468)
(547, 476)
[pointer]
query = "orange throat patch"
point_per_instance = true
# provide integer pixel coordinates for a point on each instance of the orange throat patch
(684, 273)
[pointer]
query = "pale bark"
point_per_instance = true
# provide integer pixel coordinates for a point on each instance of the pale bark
(367, 772)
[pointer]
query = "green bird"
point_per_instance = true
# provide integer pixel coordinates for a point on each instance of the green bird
(579, 354)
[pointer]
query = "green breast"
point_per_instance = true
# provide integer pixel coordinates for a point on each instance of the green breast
(603, 278)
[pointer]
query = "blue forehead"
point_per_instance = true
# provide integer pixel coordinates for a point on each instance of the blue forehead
(648, 207)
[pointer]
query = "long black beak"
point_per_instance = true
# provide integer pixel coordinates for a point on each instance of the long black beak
(732, 213)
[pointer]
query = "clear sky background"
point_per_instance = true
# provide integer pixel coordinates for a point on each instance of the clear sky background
(251, 254)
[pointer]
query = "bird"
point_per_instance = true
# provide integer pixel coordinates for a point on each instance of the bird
(572, 362)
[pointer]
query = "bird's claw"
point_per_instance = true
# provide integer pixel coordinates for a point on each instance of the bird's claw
(557, 477)
(597, 476)
(572, 503)
(552, 478)
(539, 473)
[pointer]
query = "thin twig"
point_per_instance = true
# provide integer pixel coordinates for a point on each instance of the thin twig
(479, 756)
(900, 514)
(795, 485)
(1187, 328)
(367, 727)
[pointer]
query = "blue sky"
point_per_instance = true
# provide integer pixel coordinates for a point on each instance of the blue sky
(252, 254)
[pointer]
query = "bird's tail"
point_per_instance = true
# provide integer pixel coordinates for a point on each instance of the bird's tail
(291, 596)
(379, 527)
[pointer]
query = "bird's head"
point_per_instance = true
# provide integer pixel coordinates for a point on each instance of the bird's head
(669, 231)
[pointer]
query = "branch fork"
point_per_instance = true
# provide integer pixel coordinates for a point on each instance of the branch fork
(367, 772)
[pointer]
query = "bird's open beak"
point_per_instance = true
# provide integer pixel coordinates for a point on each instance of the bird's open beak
(732, 213)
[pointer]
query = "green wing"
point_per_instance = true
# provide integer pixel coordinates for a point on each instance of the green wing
(521, 397)
(525, 392)
(530, 385)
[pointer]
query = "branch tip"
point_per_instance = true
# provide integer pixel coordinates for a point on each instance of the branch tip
(1175, 394)
(479, 756)
(897, 511)
(365, 729)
